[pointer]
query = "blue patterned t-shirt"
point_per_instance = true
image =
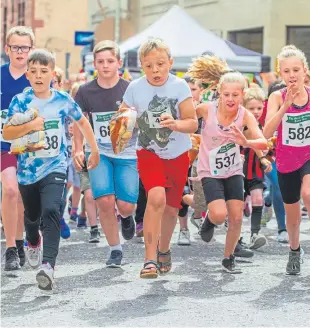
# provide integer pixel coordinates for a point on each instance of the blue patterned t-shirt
(33, 167)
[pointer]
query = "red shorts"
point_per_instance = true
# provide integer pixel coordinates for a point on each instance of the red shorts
(168, 173)
(8, 160)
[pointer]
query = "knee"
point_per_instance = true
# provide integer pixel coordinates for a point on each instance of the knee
(88, 197)
(156, 200)
(10, 192)
(305, 194)
(125, 209)
(106, 204)
(51, 212)
(218, 216)
(257, 199)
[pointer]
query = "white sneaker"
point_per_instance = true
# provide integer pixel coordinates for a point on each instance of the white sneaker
(257, 241)
(184, 237)
(282, 237)
(35, 254)
(45, 277)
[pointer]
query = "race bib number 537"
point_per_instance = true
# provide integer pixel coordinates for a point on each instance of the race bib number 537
(224, 159)
(296, 129)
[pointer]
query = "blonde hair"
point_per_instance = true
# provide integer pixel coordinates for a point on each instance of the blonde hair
(214, 72)
(74, 89)
(21, 31)
(59, 74)
(152, 44)
(107, 45)
(291, 51)
(253, 93)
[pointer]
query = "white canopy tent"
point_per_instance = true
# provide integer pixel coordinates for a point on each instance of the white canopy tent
(187, 39)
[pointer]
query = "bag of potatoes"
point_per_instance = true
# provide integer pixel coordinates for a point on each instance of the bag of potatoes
(121, 128)
(31, 142)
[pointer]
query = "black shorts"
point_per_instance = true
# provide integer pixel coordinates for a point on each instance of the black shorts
(227, 189)
(252, 184)
(290, 183)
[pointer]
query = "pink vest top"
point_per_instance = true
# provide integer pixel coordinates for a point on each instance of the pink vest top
(219, 156)
(293, 141)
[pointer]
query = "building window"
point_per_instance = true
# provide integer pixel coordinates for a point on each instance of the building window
(300, 37)
(21, 13)
(252, 39)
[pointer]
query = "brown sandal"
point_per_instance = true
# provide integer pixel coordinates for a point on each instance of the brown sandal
(149, 272)
(164, 267)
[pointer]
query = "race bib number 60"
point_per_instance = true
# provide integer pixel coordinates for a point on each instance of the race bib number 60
(101, 122)
(296, 130)
(53, 135)
(224, 159)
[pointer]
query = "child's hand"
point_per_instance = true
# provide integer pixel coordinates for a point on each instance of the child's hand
(240, 139)
(93, 160)
(79, 160)
(266, 165)
(167, 121)
(37, 124)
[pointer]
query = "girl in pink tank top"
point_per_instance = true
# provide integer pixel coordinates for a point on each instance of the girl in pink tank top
(288, 114)
(219, 160)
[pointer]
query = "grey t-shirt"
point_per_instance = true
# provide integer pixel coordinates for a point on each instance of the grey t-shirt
(100, 104)
(150, 102)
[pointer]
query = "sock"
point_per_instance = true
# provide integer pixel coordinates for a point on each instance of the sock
(73, 210)
(279, 231)
(126, 217)
(256, 216)
(267, 205)
(19, 243)
(296, 250)
(95, 227)
(116, 248)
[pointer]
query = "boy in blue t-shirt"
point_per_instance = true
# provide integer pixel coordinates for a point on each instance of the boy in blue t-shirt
(42, 174)
(19, 42)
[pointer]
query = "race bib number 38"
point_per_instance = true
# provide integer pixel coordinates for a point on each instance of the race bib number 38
(101, 122)
(224, 159)
(296, 130)
(53, 135)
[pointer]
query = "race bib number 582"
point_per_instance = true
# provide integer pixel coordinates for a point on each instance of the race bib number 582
(296, 129)
(224, 159)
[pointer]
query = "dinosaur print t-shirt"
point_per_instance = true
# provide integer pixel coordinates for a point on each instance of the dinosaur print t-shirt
(151, 102)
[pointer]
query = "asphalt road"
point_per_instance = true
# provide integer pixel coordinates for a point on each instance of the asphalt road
(195, 294)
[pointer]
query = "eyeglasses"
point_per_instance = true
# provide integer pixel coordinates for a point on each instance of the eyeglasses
(24, 49)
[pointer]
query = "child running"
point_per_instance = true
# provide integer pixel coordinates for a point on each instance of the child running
(166, 116)
(219, 161)
(42, 174)
(288, 113)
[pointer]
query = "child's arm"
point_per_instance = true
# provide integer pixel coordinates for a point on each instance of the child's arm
(188, 122)
(11, 132)
(255, 138)
(202, 111)
(87, 131)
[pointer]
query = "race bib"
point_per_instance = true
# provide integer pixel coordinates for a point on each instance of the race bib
(101, 122)
(296, 129)
(53, 135)
(154, 118)
(224, 159)
(69, 148)
(4, 114)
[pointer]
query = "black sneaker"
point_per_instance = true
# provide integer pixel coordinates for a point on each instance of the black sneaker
(242, 250)
(228, 265)
(115, 260)
(128, 227)
(207, 230)
(94, 236)
(21, 252)
(12, 261)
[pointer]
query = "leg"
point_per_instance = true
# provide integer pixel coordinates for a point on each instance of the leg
(20, 219)
(235, 215)
(126, 181)
(9, 204)
(91, 208)
(141, 203)
(104, 193)
(51, 191)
